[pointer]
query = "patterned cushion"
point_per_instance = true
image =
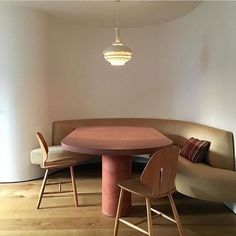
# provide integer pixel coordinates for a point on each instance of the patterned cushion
(195, 150)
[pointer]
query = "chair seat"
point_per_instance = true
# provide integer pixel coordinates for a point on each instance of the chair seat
(55, 153)
(61, 162)
(135, 186)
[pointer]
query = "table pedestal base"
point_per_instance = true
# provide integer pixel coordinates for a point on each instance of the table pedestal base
(114, 170)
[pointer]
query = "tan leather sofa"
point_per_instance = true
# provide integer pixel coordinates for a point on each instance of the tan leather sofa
(213, 180)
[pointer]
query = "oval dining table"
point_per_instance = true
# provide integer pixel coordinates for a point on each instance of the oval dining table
(116, 144)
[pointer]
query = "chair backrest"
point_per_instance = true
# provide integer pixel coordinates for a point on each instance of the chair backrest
(160, 171)
(43, 146)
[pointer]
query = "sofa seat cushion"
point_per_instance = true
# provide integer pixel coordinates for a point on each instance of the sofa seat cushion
(204, 182)
(54, 153)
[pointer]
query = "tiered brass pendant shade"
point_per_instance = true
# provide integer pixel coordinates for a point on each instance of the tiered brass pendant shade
(118, 54)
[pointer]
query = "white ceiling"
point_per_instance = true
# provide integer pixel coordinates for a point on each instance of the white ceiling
(103, 13)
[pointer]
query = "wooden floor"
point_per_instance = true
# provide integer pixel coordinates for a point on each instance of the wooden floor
(58, 216)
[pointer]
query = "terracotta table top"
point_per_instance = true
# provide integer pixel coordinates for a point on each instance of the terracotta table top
(115, 140)
(116, 144)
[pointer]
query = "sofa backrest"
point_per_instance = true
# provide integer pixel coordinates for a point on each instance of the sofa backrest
(221, 153)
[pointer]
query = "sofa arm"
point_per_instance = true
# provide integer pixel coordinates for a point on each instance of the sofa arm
(205, 182)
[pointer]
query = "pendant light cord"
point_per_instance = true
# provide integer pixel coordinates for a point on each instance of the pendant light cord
(117, 22)
(117, 14)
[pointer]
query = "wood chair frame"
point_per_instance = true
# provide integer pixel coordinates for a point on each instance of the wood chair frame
(49, 165)
(158, 175)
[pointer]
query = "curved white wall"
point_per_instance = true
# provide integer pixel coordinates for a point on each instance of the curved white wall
(51, 69)
(184, 69)
(23, 90)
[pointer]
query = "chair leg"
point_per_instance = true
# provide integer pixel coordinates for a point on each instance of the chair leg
(74, 185)
(176, 215)
(118, 212)
(42, 188)
(149, 216)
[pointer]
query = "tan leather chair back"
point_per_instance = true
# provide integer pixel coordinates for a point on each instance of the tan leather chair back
(43, 146)
(160, 171)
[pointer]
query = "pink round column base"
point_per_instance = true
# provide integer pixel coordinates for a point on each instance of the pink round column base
(114, 170)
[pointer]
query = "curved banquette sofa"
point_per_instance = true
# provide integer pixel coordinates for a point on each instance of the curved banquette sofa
(212, 180)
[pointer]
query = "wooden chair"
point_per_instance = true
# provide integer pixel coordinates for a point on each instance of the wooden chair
(56, 162)
(157, 180)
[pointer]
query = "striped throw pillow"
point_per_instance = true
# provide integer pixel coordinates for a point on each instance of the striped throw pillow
(195, 150)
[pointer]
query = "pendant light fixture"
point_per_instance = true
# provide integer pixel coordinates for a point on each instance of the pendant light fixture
(117, 54)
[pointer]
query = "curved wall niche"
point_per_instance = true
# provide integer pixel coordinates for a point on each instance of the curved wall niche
(51, 69)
